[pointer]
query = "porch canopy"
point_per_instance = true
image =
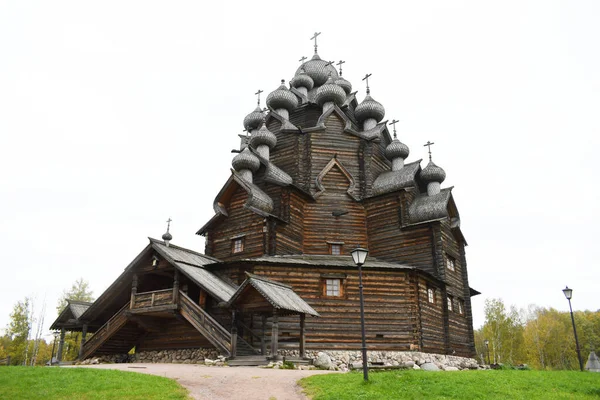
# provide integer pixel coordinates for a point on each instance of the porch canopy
(260, 295)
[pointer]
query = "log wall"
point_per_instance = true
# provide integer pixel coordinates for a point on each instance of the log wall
(175, 334)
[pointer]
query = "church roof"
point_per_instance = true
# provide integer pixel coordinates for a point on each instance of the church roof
(390, 181)
(426, 208)
(325, 261)
(70, 314)
(281, 296)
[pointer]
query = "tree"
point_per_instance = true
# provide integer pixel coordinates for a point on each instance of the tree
(18, 331)
(80, 290)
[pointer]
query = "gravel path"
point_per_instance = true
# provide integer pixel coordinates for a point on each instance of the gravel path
(248, 383)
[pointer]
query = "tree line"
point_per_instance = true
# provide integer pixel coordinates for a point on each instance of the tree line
(23, 340)
(537, 336)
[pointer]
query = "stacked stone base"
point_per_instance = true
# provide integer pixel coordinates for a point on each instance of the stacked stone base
(331, 360)
(346, 360)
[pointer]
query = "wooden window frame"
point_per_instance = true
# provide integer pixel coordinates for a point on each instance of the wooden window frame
(450, 263)
(235, 249)
(341, 278)
(431, 295)
(338, 245)
(450, 304)
(461, 306)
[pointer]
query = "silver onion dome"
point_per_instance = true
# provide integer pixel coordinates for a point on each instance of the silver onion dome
(282, 98)
(263, 136)
(318, 70)
(330, 92)
(433, 173)
(253, 120)
(396, 149)
(369, 108)
(302, 79)
(344, 84)
(167, 236)
(245, 160)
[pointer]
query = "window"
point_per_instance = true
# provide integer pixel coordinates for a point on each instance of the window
(450, 307)
(431, 295)
(237, 245)
(461, 306)
(335, 248)
(333, 287)
(450, 263)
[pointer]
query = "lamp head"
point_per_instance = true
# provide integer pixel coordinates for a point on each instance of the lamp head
(568, 293)
(359, 255)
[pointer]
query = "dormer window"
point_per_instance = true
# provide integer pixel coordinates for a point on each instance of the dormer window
(237, 244)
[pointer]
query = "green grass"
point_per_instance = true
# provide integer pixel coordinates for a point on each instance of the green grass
(455, 385)
(83, 384)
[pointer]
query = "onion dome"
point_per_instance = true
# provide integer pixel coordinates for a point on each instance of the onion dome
(245, 160)
(263, 136)
(369, 108)
(344, 84)
(433, 173)
(254, 119)
(330, 92)
(167, 237)
(396, 149)
(282, 98)
(302, 80)
(318, 70)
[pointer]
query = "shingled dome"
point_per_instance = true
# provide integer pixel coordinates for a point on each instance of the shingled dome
(167, 236)
(330, 92)
(318, 70)
(263, 136)
(282, 98)
(396, 149)
(369, 108)
(302, 80)
(245, 160)
(254, 119)
(344, 84)
(433, 173)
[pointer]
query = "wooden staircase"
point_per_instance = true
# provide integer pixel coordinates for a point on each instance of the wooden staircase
(205, 324)
(105, 333)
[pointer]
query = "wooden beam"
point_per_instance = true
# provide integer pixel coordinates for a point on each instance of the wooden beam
(302, 335)
(275, 335)
(61, 344)
(83, 335)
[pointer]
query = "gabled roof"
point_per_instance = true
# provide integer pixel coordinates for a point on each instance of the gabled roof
(321, 260)
(389, 181)
(70, 314)
(281, 296)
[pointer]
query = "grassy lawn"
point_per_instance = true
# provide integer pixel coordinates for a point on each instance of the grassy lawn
(82, 383)
(455, 385)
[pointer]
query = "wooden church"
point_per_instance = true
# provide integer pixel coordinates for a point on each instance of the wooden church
(317, 174)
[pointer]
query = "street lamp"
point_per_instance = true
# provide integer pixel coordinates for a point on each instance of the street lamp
(359, 255)
(487, 347)
(568, 294)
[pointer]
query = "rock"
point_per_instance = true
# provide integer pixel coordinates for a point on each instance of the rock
(409, 364)
(323, 361)
(208, 361)
(356, 365)
(451, 369)
(95, 361)
(428, 366)
(416, 367)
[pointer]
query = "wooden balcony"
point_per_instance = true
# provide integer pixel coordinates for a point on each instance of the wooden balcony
(155, 301)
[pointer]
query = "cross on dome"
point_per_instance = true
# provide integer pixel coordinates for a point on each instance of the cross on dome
(366, 78)
(428, 145)
(258, 96)
(394, 124)
(340, 64)
(315, 39)
(302, 59)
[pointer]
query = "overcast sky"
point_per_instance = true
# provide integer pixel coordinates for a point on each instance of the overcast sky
(116, 115)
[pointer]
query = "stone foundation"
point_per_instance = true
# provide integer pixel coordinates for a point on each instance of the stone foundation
(339, 360)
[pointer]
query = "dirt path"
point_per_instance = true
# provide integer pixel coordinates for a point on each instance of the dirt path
(247, 383)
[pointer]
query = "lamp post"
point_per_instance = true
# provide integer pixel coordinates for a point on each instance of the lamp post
(359, 255)
(568, 294)
(487, 348)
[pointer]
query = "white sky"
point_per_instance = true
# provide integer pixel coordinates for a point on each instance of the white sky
(115, 115)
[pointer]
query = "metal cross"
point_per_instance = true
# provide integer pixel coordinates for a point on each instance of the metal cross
(394, 123)
(366, 78)
(258, 94)
(429, 144)
(169, 224)
(340, 64)
(315, 38)
(302, 59)
(328, 64)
